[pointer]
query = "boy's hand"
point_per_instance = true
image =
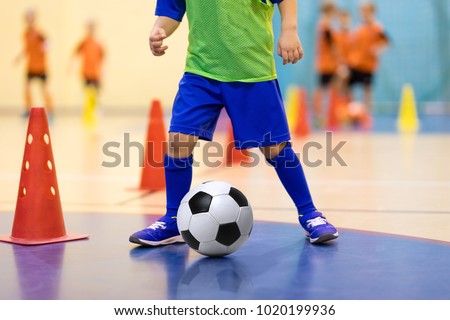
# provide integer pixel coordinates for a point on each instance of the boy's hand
(156, 41)
(289, 46)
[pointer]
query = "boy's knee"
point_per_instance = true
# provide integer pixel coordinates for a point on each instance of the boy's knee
(181, 145)
(272, 151)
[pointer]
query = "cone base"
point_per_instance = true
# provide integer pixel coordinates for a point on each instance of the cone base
(25, 242)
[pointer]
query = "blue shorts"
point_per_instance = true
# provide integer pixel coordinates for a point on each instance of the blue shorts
(256, 110)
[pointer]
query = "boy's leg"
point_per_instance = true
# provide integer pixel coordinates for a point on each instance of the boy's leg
(367, 92)
(259, 120)
(319, 118)
(343, 78)
(178, 174)
(287, 165)
(322, 92)
(46, 93)
(27, 95)
(289, 169)
(195, 113)
(90, 102)
(178, 170)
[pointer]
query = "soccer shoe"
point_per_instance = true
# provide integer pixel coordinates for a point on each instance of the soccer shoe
(163, 231)
(318, 229)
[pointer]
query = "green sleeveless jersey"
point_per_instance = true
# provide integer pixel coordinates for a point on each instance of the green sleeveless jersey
(231, 40)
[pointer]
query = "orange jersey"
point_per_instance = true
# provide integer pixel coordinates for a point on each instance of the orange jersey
(343, 45)
(91, 53)
(326, 55)
(365, 43)
(35, 51)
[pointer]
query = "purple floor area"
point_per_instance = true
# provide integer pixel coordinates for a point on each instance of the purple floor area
(277, 262)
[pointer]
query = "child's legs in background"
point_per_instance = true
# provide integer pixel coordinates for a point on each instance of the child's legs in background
(367, 97)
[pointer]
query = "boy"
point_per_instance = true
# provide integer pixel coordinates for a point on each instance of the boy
(326, 58)
(367, 42)
(35, 51)
(230, 64)
(91, 53)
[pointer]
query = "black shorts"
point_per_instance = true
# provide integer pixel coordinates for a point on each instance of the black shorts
(360, 77)
(42, 76)
(92, 83)
(325, 79)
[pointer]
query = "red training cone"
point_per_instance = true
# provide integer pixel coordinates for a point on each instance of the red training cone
(38, 218)
(152, 175)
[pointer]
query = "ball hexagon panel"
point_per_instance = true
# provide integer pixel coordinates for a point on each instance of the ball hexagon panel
(245, 220)
(224, 209)
(239, 197)
(228, 234)
(183, 216)
(190, 239)
(213, 249)
(203, 227)
(200, 202)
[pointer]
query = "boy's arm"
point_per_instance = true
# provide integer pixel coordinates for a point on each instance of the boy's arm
(75, 54)
(289, 45)
(22, 54)
(385, 41)
(19, 57)
(170, 13)
(78, 49)
(382, 42)
(163, 28)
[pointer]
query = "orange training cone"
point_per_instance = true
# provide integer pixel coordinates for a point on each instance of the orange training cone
(302, 127)
(233, 155)
(38, 218)
(152, 175)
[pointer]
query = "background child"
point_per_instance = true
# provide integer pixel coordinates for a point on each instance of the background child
(326, 58)
(35, 53)
(91, 54)
(367, 42)
(230, 63)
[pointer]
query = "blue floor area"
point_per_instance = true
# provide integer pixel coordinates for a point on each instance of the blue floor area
(277, 262)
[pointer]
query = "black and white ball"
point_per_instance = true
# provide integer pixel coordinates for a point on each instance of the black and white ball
(215, 219)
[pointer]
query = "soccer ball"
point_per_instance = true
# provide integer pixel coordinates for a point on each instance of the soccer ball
(215, 219)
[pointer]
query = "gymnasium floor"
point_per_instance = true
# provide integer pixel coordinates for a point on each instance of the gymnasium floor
(391, 203)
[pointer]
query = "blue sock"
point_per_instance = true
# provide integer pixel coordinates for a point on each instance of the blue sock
(290, 171)
(178, 181)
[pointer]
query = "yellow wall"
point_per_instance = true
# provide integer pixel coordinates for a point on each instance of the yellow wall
(132, 76)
